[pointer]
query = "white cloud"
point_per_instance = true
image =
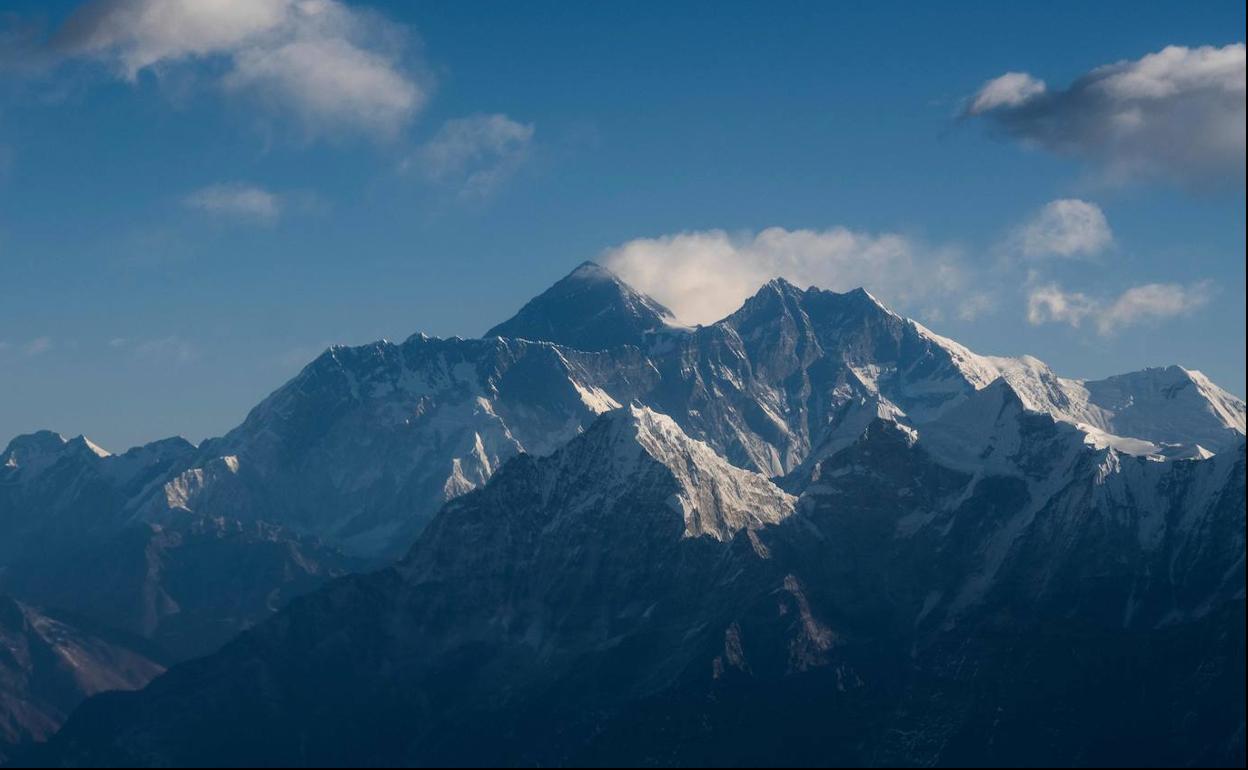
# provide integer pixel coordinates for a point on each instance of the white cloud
(1050, 304)
(475, 154)
(237, 200)
(1010, 90)
(329, 83)
(1150, 303)
(1065, 228)
(1177, 113)
(705, 275)
(139, 34)
(335, 68)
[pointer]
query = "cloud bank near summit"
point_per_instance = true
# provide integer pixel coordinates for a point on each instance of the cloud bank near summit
(705, 275)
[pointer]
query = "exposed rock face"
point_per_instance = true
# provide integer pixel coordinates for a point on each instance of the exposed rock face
(48, 665)
(365, 444)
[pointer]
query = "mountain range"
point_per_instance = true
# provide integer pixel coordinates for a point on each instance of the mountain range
(814, 532)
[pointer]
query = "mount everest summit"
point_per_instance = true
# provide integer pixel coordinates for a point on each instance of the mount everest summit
(813, 532)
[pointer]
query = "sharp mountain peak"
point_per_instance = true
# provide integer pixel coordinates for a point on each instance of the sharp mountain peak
(591, 308)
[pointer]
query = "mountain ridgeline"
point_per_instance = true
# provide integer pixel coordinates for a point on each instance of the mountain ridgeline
(814, 532)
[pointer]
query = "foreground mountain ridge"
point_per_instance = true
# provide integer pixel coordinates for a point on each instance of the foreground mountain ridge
(567, 613)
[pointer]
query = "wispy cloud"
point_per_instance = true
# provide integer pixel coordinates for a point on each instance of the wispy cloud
(38, 346)
(1146, 304)
(236, 200)
(1064, 228)
(1177, 113)
(705, 275)
(168, 349)
(475, 154)
(335, 68)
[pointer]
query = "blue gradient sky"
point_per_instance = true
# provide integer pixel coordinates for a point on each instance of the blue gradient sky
(128, 314)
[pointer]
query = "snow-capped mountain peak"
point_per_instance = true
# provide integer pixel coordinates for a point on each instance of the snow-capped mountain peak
(995, 431)
(34, 452)
(589, 309)
(1163, 411)
(592, 272)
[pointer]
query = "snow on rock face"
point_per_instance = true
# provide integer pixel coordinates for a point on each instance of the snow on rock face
(215, 477)
(1051, 486)
(1169, 412)
(1023, 509)
(796, 374)
(1170, 404)
(366, 443)
(637, 453)
(716, 498)
(995, 432)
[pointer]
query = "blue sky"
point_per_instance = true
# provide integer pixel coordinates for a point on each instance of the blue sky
(186, 219)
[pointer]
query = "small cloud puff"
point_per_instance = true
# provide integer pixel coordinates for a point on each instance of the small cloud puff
(1068, 227)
